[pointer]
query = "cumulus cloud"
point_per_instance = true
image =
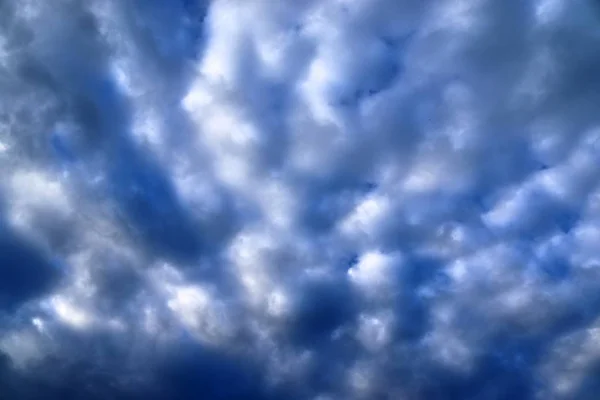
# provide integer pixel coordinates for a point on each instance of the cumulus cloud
(366, 199)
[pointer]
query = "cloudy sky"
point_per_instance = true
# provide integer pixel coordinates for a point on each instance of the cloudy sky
(299, 199)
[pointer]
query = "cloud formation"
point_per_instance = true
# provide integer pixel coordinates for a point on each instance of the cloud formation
(365, 199)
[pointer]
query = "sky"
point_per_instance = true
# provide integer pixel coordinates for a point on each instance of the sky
(299, 199)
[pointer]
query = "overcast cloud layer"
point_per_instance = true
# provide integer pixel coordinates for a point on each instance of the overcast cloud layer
(298, 199)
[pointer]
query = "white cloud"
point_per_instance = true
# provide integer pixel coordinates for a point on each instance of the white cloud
(308, 186)
(375, 273)
(374, 331)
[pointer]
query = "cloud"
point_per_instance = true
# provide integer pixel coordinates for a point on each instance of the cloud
(299, 199)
